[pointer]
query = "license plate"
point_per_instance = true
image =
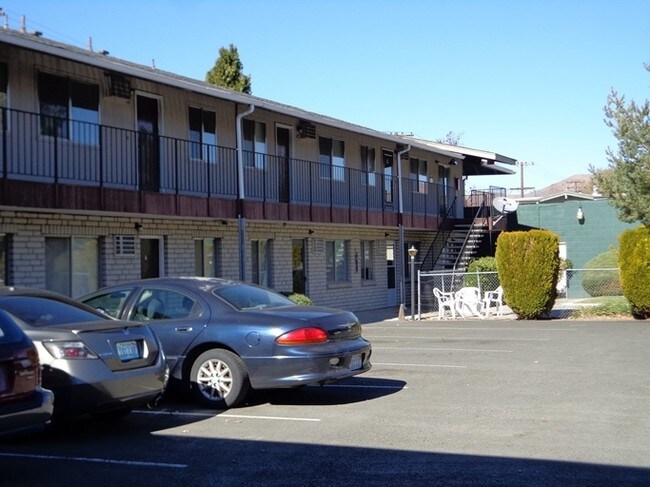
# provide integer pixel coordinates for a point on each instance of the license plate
(128, 350)
(356, 362)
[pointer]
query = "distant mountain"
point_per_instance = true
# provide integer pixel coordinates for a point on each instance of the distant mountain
(578, 183)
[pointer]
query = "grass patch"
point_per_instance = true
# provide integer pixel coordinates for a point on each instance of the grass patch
(604, 306)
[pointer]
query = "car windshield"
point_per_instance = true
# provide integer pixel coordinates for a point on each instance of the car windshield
(42, 311)
(244, 296)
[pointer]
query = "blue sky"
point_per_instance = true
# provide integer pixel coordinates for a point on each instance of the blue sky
(527, 79)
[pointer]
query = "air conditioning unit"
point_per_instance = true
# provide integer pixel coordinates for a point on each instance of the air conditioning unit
(118, 85)
(306, 130)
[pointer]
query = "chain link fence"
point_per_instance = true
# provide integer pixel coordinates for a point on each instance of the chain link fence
(576, 288)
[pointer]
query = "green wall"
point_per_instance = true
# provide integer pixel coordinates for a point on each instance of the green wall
(584, 240)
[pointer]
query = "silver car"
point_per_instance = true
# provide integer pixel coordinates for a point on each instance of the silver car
(93, 363)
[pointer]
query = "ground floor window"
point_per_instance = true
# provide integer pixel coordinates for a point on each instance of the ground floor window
(261, 262)
(367, 259)
(206, 257)
(336, 261)
(72, 265)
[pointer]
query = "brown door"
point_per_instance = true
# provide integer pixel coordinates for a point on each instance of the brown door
(148, 143)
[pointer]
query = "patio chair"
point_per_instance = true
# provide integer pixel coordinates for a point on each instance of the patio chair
(493, 297)
(469, 302)
(445, 300)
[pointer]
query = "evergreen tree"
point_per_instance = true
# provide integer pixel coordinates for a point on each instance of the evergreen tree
(627, 180)
(227, 71)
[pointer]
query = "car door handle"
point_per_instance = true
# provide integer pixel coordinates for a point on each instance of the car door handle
(183, 329)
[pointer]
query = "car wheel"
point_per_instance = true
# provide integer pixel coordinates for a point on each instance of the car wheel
(219, 379)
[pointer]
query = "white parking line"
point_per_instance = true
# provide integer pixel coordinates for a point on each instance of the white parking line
(435, 349)
(420, 365)
(214, 415)
(484, 339)
(95, 460)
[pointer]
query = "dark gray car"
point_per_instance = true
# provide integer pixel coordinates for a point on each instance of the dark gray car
(223, 337)
(93, 363)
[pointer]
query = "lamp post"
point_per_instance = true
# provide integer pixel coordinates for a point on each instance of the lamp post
(412, 253)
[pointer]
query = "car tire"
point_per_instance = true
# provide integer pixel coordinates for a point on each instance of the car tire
(219, 379)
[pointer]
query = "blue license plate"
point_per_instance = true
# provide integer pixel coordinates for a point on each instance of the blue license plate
(128, 350)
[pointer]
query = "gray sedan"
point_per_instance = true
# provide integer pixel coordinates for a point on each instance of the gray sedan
(223, 337)
(93, 363)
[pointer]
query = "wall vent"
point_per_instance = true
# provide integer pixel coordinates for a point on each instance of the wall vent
(124, 244)
(118, 86)
(306, 130)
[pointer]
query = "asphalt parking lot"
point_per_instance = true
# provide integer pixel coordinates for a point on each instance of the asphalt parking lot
(556, 402)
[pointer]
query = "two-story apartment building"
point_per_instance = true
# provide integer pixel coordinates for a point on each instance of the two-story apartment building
(112, 171)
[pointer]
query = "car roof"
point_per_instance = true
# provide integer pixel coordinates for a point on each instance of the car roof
(190, 282)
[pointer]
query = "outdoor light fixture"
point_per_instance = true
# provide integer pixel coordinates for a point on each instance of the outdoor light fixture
(580, 215)
(412, 253)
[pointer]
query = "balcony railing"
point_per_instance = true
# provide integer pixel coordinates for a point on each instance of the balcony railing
(37, 148)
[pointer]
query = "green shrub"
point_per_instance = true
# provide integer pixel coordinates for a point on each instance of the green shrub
(300, 299)
(528, 264)
(602, 282)
(634, 265)
(482, 264)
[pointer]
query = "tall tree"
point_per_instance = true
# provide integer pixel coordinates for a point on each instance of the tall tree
(228, 71)
(450, 138)
(626, 182)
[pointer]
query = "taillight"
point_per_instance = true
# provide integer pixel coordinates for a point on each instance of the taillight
(302, 336)
(69, 350)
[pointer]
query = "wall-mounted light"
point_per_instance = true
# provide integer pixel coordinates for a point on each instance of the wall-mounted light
(137, 226)
(580, 214)
(311, 232)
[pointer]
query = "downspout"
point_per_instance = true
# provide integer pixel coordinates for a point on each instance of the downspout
(241, 192)
(400, 213)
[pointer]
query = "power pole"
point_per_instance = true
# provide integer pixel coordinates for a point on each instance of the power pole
(522, 165)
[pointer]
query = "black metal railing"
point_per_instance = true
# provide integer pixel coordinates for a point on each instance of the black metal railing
(54, 150)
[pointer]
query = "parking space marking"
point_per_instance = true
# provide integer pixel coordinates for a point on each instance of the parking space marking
(230, 416)
(482, 328)
(95, 460)
(436, 349)
(421, 365)
(484, 339)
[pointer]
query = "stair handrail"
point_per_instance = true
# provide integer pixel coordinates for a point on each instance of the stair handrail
(461, 252)
(439, 235)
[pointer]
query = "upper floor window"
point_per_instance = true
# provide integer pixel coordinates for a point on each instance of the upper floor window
(203, 134)
(368, 165)
(4, 86)
(331, 158)
(254, 143)
(419, 175)
(69, 109)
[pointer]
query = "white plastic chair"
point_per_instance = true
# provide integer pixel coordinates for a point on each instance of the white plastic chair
(469, 302)
(445, 300)
(493, 297)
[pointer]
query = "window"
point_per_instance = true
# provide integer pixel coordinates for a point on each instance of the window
(164, 304)
(368, 165)
(336, 261)
(367, 259)
(419, 175)
(203, 134)
(261, 262)
(206, 257)
(443, 194)
(4, 96)
(254, 143)
(331, 158)
(69, 109)
(72, 265)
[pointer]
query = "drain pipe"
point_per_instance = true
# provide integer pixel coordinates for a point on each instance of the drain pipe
(400, 213)
(241, 193)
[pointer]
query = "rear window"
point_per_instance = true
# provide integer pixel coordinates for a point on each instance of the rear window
(41, 311)
(10, 332)
(244, 296)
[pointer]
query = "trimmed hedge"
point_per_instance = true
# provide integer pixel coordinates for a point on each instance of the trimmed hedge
(528, 264)
(634, 268)
(481, 264)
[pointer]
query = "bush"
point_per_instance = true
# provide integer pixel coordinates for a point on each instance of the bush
(300, 299)
(634, 265)
(528, 264)
(482, 264)
(602, 283)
